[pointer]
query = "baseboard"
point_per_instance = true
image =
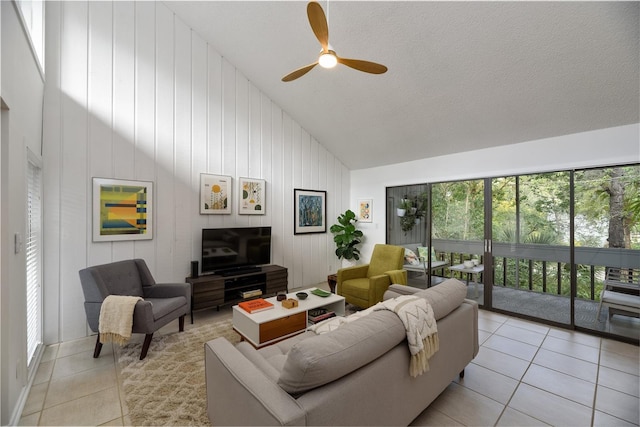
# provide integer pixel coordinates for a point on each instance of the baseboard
(16, 414)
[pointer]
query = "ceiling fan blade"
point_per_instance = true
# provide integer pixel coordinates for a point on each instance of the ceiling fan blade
(299, 72)
(318, 22)
(360, 65)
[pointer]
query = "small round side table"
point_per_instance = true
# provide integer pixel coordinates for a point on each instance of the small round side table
(332, 280)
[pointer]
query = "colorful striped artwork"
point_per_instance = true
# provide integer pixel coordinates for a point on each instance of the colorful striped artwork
(122, 209)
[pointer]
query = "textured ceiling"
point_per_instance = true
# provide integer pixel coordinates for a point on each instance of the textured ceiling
(462, 75)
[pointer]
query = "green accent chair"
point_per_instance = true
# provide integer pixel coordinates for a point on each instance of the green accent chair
(364, 285)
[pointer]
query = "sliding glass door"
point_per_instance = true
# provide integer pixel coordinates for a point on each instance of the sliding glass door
(531, 245)
(543, 241)
(457, 231)
(607, 230)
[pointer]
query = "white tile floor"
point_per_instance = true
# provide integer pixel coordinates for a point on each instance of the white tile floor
(525, 374)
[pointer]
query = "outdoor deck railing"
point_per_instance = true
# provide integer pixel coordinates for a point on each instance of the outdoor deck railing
(543, 268)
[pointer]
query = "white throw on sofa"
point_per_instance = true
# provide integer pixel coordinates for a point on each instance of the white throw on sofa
(357, 374)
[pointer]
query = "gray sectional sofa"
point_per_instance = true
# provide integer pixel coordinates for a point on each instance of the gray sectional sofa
(357, 374)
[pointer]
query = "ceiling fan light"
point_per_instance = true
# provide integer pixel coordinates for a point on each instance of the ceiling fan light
(327, 60)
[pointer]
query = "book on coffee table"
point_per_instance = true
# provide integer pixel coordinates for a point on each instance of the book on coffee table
(255, 305)
(321, 317)
(251, 293)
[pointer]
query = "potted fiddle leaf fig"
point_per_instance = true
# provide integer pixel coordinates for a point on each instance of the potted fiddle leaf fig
(347, 236)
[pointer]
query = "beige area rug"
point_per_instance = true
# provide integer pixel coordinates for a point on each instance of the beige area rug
(168, 387)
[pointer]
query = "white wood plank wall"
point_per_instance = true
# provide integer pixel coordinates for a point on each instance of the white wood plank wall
(133, 93)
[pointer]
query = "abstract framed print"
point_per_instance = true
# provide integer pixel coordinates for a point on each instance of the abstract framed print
(251, 196)
(365, 210)
(215, 194)
(310, 211)
(122, 210)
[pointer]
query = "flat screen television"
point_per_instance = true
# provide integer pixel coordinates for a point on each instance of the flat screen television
(227, 250)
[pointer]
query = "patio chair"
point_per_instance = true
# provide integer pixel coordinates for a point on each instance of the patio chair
(621, 292)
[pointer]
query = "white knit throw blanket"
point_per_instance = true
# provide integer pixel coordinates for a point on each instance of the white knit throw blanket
(422, 332)
(419, 323)
(116, 318)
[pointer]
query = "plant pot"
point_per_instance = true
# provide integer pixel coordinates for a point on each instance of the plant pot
(401, 212)
(413, 211)
(348, 263)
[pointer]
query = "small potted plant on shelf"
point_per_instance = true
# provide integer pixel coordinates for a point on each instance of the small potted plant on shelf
(347, 236)
(405, 207)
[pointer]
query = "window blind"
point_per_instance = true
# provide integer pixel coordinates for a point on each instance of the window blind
(33, 250)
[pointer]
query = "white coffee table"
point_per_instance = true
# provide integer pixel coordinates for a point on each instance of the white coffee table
(470, 271)
(273, 325)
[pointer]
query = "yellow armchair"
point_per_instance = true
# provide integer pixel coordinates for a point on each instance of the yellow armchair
(364, 285)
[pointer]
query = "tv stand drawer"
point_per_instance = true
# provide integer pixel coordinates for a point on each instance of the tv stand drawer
(212, 291)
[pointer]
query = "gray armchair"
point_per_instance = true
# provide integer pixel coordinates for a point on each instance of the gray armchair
(163, 302)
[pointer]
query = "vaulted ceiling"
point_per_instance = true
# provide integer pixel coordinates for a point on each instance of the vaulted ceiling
(462, 75)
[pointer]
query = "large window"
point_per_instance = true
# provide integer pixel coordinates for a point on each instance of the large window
(608, 207)
(33, 244)
(458, 210)
(32, 12)
(530, 226)
(549, 239)
(607, 230)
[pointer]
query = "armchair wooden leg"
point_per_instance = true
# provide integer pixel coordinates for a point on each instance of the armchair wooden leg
(96, 351)
(181, 323)
(462, 374)
(145, 345)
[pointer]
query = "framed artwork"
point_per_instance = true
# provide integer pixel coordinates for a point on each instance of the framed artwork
(251, 196)
(310, 211)
(215, 194)
(122, 210)
(365, 210)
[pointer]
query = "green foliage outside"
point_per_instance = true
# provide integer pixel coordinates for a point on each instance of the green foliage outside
(535, 209)
(458, 210)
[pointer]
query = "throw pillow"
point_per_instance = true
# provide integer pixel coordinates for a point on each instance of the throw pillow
(445, 297)
(423, 252)
(410, 257)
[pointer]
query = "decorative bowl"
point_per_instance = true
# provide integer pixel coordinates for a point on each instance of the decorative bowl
(468, 264)
(302, 295)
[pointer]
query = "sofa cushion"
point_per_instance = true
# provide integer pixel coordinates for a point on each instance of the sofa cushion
(358, 288)
(320, 359)
(164, 306)
(385, 258)
(445, 297)
(257, 359)
(276, 354)
(120, 278)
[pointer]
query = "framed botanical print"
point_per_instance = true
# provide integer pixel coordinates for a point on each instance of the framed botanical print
(310, 211)
(122, 210)
(215, 194)
(251, 196)
(365, 210)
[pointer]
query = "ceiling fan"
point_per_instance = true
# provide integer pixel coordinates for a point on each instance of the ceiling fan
(328, 57)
